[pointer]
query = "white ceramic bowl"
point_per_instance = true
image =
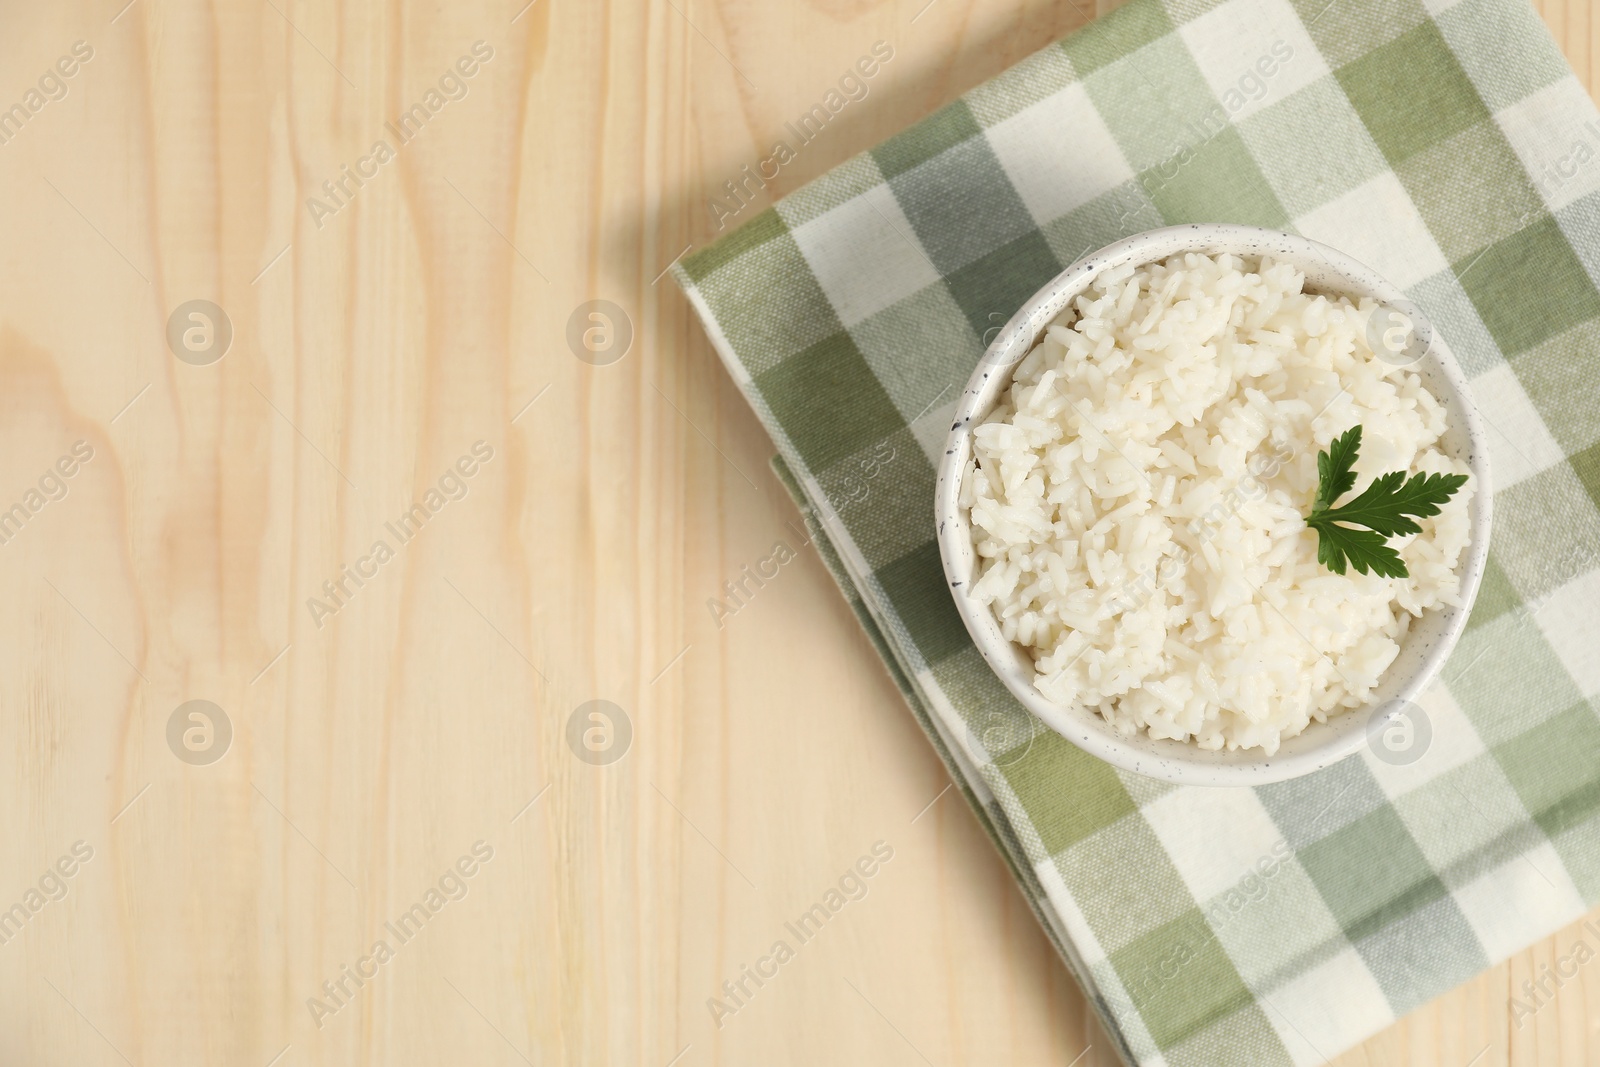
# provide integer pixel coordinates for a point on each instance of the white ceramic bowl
(1430, 638)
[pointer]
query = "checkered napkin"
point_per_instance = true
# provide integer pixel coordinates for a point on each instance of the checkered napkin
(1445, 144)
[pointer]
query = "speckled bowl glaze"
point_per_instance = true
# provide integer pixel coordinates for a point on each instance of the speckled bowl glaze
(1431, 637)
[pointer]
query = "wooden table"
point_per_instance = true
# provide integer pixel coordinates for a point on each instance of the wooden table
(413, 725)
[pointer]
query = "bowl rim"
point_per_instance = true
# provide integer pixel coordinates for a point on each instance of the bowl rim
(1182, 762)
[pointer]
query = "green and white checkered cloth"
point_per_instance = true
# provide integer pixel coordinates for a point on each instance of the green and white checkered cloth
(1445, 144)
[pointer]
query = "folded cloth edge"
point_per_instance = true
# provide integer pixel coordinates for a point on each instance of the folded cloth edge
(962, 775)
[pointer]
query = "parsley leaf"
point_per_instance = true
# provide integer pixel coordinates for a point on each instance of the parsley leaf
(1336, 470)
(1383, 508)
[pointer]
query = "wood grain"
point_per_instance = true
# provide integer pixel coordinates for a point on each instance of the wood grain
(374, 746)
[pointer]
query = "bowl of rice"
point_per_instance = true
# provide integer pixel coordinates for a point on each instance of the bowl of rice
(1122, 504)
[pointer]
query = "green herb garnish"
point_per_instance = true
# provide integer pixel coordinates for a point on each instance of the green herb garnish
(1382, 508)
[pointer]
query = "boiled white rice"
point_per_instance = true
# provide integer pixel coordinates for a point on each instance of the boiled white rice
(1137, 496)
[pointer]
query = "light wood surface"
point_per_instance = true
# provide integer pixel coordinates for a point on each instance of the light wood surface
(373, 746)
